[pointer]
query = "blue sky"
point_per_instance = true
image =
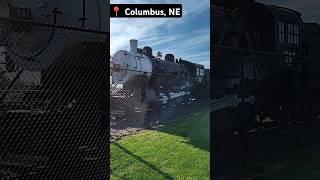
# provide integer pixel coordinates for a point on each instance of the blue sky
(187, 37)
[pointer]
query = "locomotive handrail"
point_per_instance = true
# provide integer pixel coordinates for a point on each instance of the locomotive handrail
(155, 73)
(261, 52)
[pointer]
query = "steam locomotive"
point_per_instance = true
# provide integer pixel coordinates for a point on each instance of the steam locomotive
(267, 52)
(53, 56)
(169, 81)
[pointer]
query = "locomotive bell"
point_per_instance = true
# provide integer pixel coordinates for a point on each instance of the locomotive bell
(159, 55)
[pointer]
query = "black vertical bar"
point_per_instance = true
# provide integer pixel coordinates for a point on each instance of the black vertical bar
(83, 12)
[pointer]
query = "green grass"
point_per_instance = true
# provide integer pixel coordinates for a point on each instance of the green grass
(176, 151)
(305, 167)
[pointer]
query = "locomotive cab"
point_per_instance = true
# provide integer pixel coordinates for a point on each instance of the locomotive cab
(283, 47)
(287, 25)
(278, 32)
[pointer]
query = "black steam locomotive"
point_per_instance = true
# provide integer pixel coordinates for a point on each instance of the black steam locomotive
(148, 89)
(269, 53)
(165, 81)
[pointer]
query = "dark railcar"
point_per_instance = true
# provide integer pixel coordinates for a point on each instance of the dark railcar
(267, 52)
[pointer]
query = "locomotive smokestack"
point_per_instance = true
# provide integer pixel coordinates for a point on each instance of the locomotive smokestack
(133, 46)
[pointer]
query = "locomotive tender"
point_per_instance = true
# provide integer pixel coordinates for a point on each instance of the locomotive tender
(267, 52)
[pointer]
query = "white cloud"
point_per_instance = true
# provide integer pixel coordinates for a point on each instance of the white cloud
(154, 31)
(198, 55)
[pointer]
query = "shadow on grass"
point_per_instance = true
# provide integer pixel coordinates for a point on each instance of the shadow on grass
(195, 128)
(166, 175)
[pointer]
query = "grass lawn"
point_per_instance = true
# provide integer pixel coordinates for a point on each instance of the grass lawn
(176, 151)
(304, 167)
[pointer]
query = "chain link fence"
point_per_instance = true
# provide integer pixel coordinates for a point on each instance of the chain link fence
(53, 101)
(269, 108)
(152, 99)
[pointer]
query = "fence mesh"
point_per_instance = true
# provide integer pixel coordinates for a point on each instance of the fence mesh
(153, 99)
(53, 102)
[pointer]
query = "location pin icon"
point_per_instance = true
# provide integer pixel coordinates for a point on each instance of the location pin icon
(116, 9)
